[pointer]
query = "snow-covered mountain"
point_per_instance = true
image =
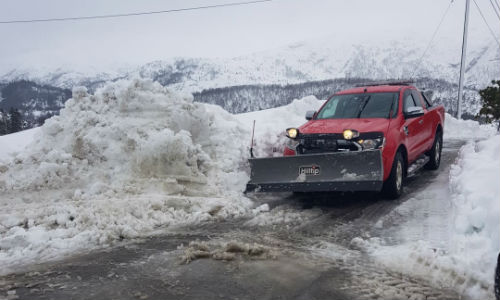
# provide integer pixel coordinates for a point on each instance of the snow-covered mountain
(321, 60)
(314, 60)
(36, 102)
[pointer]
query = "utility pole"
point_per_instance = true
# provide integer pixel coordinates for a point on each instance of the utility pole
(462, 62)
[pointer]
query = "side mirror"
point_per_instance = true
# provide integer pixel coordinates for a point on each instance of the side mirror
(414, 112)
(310, 114)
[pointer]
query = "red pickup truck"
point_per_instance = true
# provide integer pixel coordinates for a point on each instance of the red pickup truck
(361, 139)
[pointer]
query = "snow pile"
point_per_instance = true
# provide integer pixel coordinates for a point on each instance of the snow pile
(466, 129)
(128, 135)
(465, 255)
(270, 124)
(474, 182)
(130, 159)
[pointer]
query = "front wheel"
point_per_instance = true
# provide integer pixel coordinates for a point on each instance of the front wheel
(435, 153)
(393, 186)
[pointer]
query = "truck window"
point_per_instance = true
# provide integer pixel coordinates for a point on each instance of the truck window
(365, 105)
(426, 100)
(379, 105)
(409, 101)
(418, 99)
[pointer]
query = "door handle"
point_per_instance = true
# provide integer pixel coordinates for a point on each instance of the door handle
(421, 122)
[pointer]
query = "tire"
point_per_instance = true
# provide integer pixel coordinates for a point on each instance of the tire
(393, 186)
(435, 152)
(497, 279)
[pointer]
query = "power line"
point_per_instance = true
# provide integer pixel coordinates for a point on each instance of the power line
(432, 39)
(486, 22)
(495, 9)
(496, 3)
(132, 14)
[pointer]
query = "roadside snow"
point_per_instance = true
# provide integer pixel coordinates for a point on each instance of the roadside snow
(130, 160)
(270, 124)
(466, 129)
(16, 142)
(474, 182)
(461, 229)
(128, 136)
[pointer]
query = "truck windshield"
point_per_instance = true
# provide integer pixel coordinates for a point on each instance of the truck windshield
(366, 105)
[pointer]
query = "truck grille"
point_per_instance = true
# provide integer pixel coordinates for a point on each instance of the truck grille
(324, 143)
(332, 142)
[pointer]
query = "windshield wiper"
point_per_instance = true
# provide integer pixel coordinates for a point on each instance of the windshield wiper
(363, 105)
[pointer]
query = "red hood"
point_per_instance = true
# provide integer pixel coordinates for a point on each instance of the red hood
(339, 125)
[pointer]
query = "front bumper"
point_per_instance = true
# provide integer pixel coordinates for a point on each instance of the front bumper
(338, 171)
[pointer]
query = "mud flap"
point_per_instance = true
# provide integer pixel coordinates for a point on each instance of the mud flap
(340, 171)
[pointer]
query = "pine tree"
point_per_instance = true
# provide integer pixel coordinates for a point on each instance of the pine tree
(15, 123)
(3, 122)
(41, 119)
(491, 102)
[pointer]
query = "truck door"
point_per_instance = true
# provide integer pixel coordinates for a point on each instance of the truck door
(412, 127)
(427, 129)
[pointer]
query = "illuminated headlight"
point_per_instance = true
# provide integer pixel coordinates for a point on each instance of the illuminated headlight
(350, 134)
(292, 133)
(370, 144)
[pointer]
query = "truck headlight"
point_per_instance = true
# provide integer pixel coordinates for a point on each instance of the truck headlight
(292, 133)
(350, 134)
(370, 144)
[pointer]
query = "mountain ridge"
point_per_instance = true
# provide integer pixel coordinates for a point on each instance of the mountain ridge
(275, 77)
(299, 62)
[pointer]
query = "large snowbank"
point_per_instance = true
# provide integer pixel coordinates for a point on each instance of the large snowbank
(461, 227)
(131, 159)
(127, 136)
(474, 182)
(466, 129)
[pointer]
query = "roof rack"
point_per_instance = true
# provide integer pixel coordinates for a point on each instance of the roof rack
(386, 82)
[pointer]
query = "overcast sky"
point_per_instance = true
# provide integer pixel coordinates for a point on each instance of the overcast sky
(219, 32)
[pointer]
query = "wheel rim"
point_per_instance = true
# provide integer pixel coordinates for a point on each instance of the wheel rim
(437, 155)
(399, 175)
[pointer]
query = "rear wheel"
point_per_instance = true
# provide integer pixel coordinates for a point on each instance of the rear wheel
(435, 152)
(393, 186)
(497, 279)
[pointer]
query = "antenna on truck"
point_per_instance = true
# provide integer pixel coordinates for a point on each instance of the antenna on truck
(251, 143)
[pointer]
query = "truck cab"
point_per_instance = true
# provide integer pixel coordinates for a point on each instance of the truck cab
(393, 119)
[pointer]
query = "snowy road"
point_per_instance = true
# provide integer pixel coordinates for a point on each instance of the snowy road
(305, 247)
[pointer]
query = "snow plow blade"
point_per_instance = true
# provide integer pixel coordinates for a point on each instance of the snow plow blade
(339, 171)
